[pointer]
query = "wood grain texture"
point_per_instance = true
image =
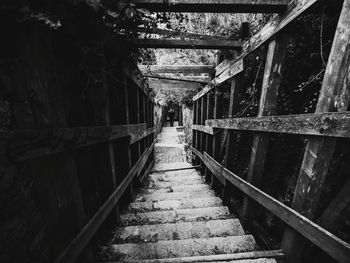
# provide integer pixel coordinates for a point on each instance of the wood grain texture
(19, 145)
(217, 6)
(332, 245)
(188, 43)
(295, 9)
(234, 70)
(175, 69)
(320, 124)
(166, 84)
(76, 246)
(334, 96)
(274, 65)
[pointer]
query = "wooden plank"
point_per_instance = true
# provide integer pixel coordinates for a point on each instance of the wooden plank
(19, 145)
(334, 96)
(188, 43)
(331, 124)
(165, 84)
(333, 212)
(234, 70)
(203, 81)
(230, 147)
(179, 34)
(74, 249)
(332, 245)
(218, 108)
(172, 69)
(274, 66)
(294, 10)
(212, 6)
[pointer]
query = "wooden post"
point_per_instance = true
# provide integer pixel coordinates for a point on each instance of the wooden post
(276, 54)
(127, 116)
(209, 138)
(217, 113)
(235, 94)
(334, 96)
(203, 111)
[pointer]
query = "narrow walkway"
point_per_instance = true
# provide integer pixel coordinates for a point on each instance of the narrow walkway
(177, 218)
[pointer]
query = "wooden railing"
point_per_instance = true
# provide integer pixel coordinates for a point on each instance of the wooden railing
(212, 136)
(81, 148)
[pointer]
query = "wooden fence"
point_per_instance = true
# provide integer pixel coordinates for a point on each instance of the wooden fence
(331, 120)
(84, 146)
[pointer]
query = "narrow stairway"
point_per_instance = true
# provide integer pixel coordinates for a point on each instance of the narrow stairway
(176, 217)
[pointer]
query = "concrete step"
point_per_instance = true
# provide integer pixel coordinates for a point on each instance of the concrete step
(164, 184)
(173, 174)
(176, 188)
(195, 259)
(173, 196)
(139, 207)
(174, 216)
(188, 180)
(176, 165)
(177, 231)
(183, 248)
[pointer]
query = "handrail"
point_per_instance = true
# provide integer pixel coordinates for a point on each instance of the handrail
(19, 145)
(332, 245)
(76, 246)
(329, 124)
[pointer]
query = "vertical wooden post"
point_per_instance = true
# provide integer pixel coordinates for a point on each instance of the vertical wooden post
(209, 138)
(202, 134)
(194, 132)
(127, 117)
(334, 96)
(236, 91)
(217, 113)
(276, 54)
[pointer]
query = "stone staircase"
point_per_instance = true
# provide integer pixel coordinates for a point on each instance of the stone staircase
(176, 217)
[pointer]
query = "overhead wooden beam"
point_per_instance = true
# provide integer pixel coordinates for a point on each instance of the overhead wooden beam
(188, 44)
(213, 6)
(21, 145)
(198, 80)
(332, 245)
(267, 32)
(175, 69)
(180, 34)
(164, 84)
(332, 124)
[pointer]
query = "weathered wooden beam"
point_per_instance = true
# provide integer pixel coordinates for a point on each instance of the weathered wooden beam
(203, 81)
(294, 10)
(334, 96)
(212, 6)
(76, 246)
(332, 245)
(164, 84)
(274, 66)
(175, 69)
(188, 44)
(330, 124)
(234, 70)
(179, 34)
(21, 145)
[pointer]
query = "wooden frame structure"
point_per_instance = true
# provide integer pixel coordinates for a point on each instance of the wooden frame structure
(215, 6)
(329, 122)
(71, 164)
